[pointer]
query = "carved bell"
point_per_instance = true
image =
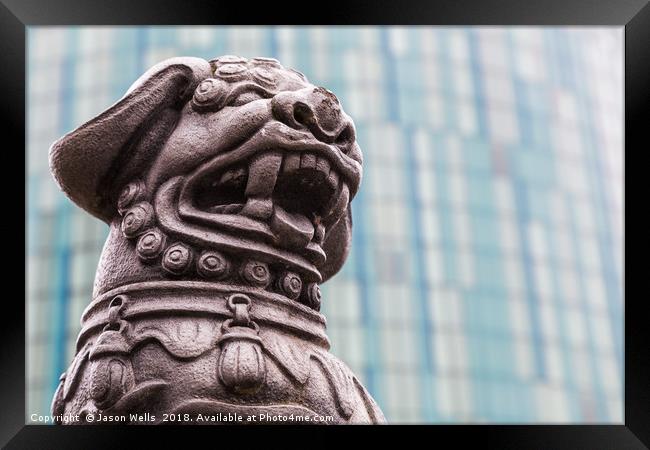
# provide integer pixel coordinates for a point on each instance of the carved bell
(241, 366)
(111, 369)
(58, 404)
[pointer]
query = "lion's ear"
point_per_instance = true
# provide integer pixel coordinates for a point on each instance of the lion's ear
(337, 245)
(87, 162)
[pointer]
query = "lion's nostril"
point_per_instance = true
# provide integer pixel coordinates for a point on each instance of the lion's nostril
(303, 114)
(346, 136)
(318, 115)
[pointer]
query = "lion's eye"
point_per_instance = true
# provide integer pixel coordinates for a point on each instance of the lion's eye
(244, 98)
(210, 94)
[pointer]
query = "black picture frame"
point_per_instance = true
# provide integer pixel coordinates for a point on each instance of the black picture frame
(633, 15)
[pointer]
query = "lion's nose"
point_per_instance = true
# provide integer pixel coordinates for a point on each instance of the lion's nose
(315, 109)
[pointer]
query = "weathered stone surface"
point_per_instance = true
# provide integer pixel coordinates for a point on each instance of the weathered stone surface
(227, 186)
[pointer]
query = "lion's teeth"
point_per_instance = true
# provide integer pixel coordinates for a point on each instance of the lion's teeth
(323, 165)
(231, 209)
(262, 175)
(233, 177)
(308, 161)
(294, 161)
(336, 208)
(319, 234)
(333, 180)
(291, 162)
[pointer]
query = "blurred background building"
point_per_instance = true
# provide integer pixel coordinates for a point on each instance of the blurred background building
(484, 283)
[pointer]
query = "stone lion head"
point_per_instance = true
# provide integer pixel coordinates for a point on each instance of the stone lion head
(203, 163)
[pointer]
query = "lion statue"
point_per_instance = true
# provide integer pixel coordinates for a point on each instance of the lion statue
(227, 187)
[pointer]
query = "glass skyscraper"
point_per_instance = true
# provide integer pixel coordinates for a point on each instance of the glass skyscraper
(485, 278)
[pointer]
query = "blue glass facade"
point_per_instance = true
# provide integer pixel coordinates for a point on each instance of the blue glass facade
(485, 280)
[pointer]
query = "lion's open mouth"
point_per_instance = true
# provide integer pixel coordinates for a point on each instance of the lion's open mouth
(297, 193)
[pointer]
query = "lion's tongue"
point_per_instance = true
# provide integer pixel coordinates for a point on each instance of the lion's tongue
(291, 229)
